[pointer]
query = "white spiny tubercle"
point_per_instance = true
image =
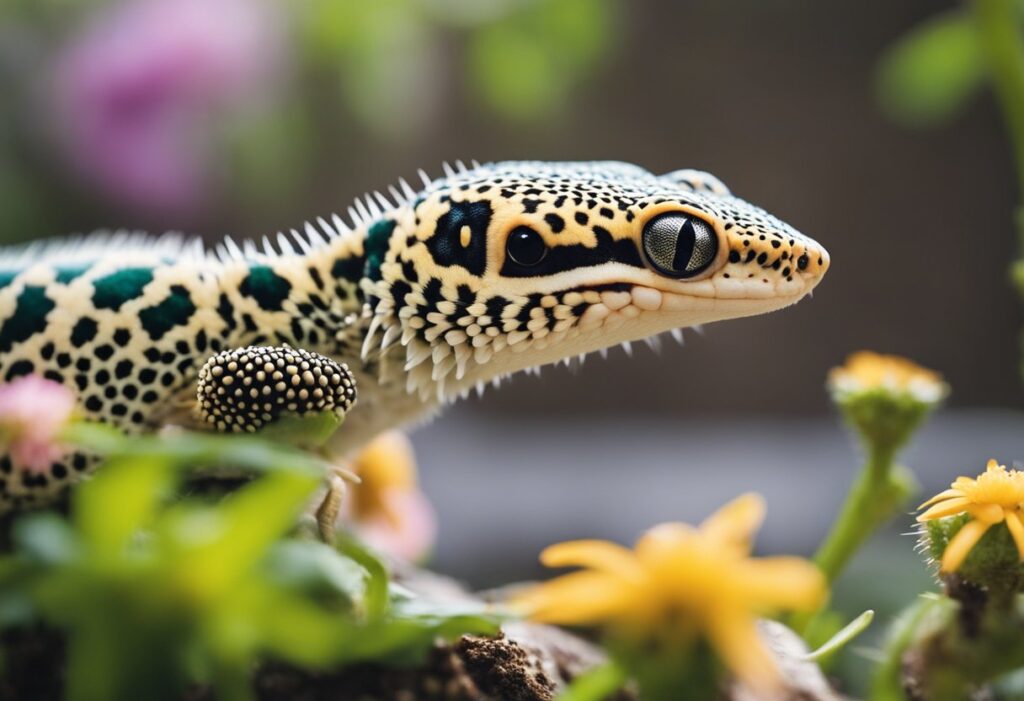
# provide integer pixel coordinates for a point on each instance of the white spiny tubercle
(392, 334)
(424, 177)
(677, 334)
(396, 195)
(385, 204)
(356, 217)
(284, 244)
(449, 172)
(406, 189)
(371, 333)
(268, 247)
(339, 224)
(232, 248)
(363, 210)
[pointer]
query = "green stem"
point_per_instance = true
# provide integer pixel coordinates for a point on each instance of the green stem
(871, 502)
(880, 490)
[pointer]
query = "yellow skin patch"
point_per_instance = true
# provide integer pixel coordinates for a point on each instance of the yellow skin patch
(483, 272)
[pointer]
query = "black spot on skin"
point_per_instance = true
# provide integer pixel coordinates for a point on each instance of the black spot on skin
(607, 213)
(734, 256)
(555, 222)
(104, 352)
(123, 369)
(226, 311)
(175, 310)
(83, 332)
(19, 368)
(762, 258)
(111, 291)
(122, 337)
(268, 288)
(94, 403)
(350, 269)
(314, 275)
(445, 245)
(29, 317)
(581, 218)
(530, 205)
(102, 377)
(147, 376)
(63, 360)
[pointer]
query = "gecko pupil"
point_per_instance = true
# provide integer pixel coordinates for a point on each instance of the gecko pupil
(679, 245)
(525, 246)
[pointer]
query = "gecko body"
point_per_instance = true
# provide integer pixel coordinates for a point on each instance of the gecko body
(478, 274)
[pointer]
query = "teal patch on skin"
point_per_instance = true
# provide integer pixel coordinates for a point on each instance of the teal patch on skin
(66, 273)
(7, 277)
(123, 286)
(29, 317)
(377, 238)
(268, 288)
(173, 311)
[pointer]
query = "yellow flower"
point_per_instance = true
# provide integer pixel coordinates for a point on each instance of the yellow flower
(679, 582)
(996, 496)
(866, 370)
(387, 463)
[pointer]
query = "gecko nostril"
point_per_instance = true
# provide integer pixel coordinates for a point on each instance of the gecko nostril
(802, 261)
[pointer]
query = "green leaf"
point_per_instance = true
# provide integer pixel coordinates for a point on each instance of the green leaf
(931, 72)
(377, 599)
(595, 684)
(308, 431)
(122, 499)
(316, 568)
(44, 538)
(850, 631)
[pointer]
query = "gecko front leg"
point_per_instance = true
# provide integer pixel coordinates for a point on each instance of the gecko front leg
(285, 393)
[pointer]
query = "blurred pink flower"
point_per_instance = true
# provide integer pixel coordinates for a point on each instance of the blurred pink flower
(387, 509)
(139, 91)
(411, 536)
(33, 411)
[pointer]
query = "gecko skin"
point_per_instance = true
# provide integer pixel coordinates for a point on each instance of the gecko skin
(486, 271)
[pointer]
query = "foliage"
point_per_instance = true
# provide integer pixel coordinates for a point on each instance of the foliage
(269, 112)
(154, 592)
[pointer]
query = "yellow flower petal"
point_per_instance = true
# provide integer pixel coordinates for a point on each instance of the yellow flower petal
(989, 513)
(960, 545)
(948, 494)
(1016, 528)
(783, 582)
(946, 508)
(736, 522)
(596, 554)
(734, 638)
(662, 540)
(577, 598)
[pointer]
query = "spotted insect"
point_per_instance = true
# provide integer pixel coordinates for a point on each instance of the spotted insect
(480, 273)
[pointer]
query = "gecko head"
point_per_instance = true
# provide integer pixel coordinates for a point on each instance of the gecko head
(513, 265)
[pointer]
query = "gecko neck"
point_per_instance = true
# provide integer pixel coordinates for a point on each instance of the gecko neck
(316, 300)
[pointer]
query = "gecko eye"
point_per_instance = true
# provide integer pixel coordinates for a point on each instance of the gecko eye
(679, 245)
(525, 246)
